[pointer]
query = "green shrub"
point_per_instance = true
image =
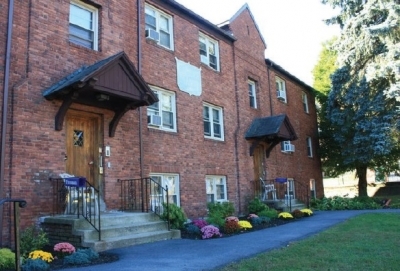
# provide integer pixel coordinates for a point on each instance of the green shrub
(92, 255)
(216, 218)
(225, 208)
(256, 206)
(271, 213)
(193, 230)
(32, 238)
(7, 259)
(231, 226)
(177, 217)
(77, 258)
(343, 203)
(35, 265)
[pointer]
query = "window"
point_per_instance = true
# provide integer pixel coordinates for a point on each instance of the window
(170, 180)
(162, 114)
(252, 93)
(280, 89)
(309, 147)
(286, 146)
(216, 189)
(305, 101)
(159, 27)
(313, 190)
(209, 52)
(213, 124)
(83, 25)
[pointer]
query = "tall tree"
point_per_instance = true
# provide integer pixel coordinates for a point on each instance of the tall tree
(363, 104)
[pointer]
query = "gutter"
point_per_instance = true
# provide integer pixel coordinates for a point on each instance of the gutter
(5, 107)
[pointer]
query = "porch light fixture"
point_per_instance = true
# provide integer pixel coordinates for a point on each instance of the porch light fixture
(102, 97)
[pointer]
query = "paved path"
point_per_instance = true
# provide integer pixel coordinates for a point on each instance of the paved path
(196, 255)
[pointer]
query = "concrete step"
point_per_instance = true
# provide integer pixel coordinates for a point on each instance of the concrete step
(132, 239)
(118, 229)
(122, 230)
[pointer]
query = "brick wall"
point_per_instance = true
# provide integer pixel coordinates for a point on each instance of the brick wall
(42, 55)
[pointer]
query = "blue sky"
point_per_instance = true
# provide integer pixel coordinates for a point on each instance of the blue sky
(292, 29)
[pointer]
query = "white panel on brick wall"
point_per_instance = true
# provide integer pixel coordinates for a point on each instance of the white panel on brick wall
(188, 77)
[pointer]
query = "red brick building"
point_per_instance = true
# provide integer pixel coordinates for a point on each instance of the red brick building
(131, 89)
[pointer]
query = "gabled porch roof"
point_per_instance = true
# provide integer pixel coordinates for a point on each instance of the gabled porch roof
(112, 83)
(271, 130)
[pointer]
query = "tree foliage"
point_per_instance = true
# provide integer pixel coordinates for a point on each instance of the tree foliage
(362, 105)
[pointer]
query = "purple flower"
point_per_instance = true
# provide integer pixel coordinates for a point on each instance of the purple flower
(210, 231)
(200, 223)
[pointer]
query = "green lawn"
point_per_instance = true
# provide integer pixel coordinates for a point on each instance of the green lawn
(366, 242)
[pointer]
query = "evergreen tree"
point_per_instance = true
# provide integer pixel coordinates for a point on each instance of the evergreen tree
(363, 104)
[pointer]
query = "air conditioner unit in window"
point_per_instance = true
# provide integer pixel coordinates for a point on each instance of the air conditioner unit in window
(281, 95)
(152, 34)
(288, 148)
(154, 120)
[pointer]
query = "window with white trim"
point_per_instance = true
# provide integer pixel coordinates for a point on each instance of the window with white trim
(280, 89)
(252, 93)
(209, 52)
(165, 179)
(309, 147)
(313, 190)
(216, 188)
(162, 114)
(83, 25)
(287, 146)
(304, 98)
(213, 122)
(161, 24)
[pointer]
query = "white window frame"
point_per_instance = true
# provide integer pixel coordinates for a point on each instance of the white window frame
(94, 25)
(309, 147)
(313, 189)
(159, 15)
(304, 98)
(160, 108)
(209, 44)
(281, 89)
(212, 183)
(213, 122)
(166, 179)
(252, 93)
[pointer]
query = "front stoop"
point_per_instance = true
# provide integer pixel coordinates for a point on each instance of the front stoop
(284, 206)
(118, 229)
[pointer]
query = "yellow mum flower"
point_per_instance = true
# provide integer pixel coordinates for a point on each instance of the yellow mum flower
(285, 215)
(245, 224)
(308, 212)
(40, 254)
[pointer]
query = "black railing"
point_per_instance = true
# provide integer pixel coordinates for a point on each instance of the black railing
(18, 203)
(144, 195)
(284, 190)
(82, 200)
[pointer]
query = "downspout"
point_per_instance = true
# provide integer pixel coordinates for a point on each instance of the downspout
(5, 108)
(139, 67)
(237, 130)
(269, 90)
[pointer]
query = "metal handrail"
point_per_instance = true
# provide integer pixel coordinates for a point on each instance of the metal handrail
(66, 197)
(18, 203)
(144, 195)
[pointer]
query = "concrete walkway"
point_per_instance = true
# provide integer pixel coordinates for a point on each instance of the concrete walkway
(195, 255)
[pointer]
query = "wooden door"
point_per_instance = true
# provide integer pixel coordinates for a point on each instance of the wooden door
(82, 139)
(259, 168)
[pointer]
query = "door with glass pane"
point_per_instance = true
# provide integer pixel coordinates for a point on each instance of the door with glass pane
(82, 146)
